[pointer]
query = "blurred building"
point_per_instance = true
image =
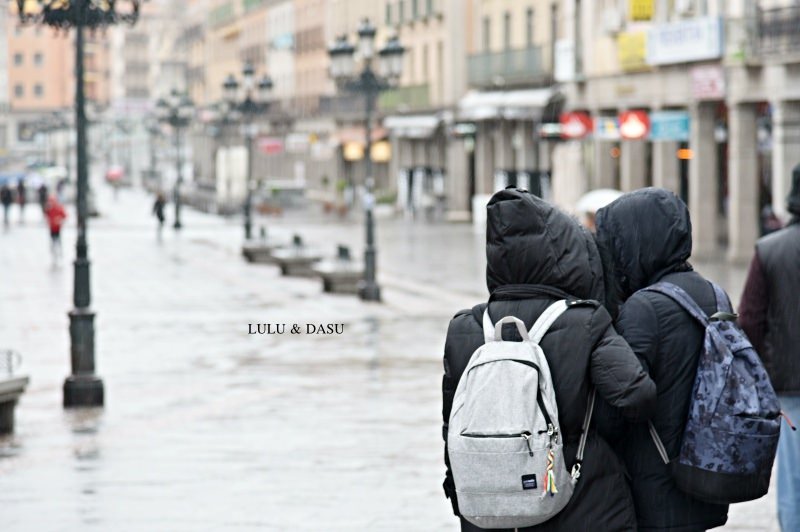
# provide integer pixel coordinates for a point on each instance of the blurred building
(697, 96)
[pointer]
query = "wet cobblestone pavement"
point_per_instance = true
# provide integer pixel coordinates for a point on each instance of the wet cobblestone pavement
(209, 428)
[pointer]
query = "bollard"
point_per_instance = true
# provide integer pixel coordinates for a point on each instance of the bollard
(343, 253)
(297, 241)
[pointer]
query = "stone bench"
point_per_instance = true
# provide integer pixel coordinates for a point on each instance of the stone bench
(10, 391)
(259, 252)
(340, 275)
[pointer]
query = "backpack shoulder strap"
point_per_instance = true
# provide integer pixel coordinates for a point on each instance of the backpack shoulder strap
(547, 318)
(723, 303)
(679, 295)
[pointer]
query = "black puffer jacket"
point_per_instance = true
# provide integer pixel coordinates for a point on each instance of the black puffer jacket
(646, 237)
(538, 255)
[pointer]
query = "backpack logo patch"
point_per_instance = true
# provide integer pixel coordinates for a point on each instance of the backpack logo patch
(529, 482)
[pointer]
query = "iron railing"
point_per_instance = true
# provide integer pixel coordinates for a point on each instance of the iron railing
(777, 30)
(521, 66)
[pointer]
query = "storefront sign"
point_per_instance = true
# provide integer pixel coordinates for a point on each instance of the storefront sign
(270, 145)
(606, 128)
(633, 125)
(565, 61)
(640, 9)
(575, 125)
(632, 50)
(685, 41)
(669, 125)
(708, 82)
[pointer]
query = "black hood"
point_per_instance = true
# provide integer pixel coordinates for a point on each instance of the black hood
(643, 235)
(793, 201)
(531, 242)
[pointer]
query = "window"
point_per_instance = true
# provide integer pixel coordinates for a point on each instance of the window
(414, 9)
(425, 64)
(38, 59)
(401, 15)
(507, 30)
(487, 38)
(529, 27)
(19, 90)
(388, 14)
(17, 58)
(429, 7)
(38, 90)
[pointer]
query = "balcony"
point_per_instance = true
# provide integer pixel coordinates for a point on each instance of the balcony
(776, 32)
(405, 98)
(523, 66)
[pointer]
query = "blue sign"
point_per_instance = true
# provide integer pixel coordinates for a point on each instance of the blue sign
(669, 125)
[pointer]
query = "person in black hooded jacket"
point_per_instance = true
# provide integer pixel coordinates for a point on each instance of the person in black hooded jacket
(537, 255)
(645, 237)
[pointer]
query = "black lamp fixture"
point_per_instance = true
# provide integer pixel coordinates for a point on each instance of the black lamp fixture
(246, 108)
(83, 388)
(370, 84)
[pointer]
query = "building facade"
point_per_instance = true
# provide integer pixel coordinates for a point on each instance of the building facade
(697, 97)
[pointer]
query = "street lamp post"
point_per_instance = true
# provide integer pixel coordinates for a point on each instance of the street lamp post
(370, 84)
(177, 111)
(253, 104)
(83, 387)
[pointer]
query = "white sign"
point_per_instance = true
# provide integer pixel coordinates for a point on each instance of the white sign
(565, 60)
(685, 41)
(708, 82)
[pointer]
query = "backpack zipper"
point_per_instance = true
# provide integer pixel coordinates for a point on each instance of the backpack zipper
(524, 435)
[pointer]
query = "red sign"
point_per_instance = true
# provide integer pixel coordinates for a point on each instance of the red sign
(575, 125)
(634, 125)
(270, 145)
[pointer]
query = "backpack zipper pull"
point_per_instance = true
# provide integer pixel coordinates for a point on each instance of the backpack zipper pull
(788, 421)
(527, 437)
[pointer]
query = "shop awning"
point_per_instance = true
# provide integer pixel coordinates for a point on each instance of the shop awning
(412, 126)
(519, 104)
(358, 135)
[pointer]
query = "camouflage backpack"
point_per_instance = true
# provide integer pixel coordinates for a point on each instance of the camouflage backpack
(731, 433)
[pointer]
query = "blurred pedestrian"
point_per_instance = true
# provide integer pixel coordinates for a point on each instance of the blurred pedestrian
(770, 315)
(22, 198)
(158, 210)
(43, 197)
(583, 353)
(645, 237)
(55, 219)
(6, 198)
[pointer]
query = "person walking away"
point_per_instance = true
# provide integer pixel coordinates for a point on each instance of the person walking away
(43, 197)
(645, 238)
(769, 313)
(55, 220)
(6, 198)
(538, 258)
(158, 210)
(21, 199)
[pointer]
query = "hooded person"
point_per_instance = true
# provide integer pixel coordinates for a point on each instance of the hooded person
(537, 255)
(768, 313)
(645, 237)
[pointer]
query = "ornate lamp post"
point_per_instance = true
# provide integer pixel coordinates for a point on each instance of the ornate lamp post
(83, 387)
(177, 111)
(370, 84)
(254, 102)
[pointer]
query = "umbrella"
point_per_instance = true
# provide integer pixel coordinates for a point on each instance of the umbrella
(593, 201)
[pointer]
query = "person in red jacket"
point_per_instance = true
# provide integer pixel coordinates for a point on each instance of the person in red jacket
(55, 220)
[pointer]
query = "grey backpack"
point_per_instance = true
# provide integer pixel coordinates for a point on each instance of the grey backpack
(504, 440)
